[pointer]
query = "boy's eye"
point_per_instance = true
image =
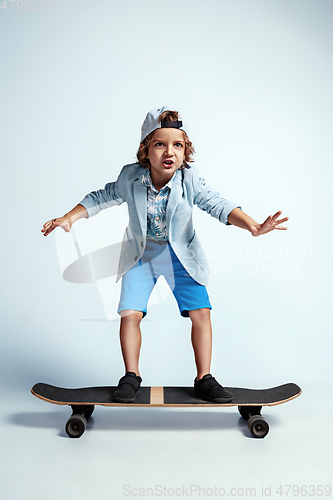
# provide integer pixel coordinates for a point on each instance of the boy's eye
(176, 144)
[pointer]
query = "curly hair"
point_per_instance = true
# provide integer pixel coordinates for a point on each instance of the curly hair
(142, 154)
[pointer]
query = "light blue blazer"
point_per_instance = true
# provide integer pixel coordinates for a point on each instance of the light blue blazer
(188, 189)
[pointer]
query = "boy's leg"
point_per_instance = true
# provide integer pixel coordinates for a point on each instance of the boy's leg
(136, 287)
(205, 385)
(130, 339)
(201, 340)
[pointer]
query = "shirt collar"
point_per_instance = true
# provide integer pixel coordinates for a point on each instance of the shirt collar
(147, 181)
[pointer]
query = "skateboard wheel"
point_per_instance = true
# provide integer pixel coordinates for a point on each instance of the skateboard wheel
(76, 426)
(88, 411)
(258, 426)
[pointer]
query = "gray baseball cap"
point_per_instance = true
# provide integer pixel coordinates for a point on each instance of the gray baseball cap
(151, 122)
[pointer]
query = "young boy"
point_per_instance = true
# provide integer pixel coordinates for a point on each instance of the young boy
(160, 191)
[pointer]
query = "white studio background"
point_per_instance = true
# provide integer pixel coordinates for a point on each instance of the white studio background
(254, 80)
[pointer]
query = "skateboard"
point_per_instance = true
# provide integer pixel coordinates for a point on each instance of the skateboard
(83, 401)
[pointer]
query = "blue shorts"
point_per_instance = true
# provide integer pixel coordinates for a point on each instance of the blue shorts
(158, 260)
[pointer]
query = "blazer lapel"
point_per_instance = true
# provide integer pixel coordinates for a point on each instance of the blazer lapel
(175, 195)
(140, 201)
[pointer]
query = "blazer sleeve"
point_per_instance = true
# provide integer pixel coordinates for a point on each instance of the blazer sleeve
(108, 197)
(211, 201)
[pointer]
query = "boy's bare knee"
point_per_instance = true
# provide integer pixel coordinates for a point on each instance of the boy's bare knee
(129, 315)
(200, 314)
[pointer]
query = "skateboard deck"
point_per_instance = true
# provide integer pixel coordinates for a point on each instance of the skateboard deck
(82, 401)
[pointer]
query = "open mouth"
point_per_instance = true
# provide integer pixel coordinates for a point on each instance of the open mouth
(168, 163)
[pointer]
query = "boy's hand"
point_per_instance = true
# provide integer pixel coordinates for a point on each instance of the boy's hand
(63, 222)
(270, 223)
(66, 221)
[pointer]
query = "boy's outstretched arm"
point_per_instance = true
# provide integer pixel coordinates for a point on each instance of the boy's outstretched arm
(240, 219)
(66, 221)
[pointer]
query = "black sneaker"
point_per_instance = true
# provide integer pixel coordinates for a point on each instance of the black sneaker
(128, 387)
(208, 388)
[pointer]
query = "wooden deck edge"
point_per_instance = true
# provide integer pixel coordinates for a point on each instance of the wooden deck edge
(50, 400)
(284, 401)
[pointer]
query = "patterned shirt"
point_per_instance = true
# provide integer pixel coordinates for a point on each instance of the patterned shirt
(156, 208)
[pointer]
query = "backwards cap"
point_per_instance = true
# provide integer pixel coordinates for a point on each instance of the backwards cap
(151, 122)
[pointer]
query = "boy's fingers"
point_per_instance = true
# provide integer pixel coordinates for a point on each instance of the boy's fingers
(49, 226)
(49, 223)
(282, 220)
(275, 216)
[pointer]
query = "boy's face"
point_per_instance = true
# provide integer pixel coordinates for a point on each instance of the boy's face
(166, 154)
